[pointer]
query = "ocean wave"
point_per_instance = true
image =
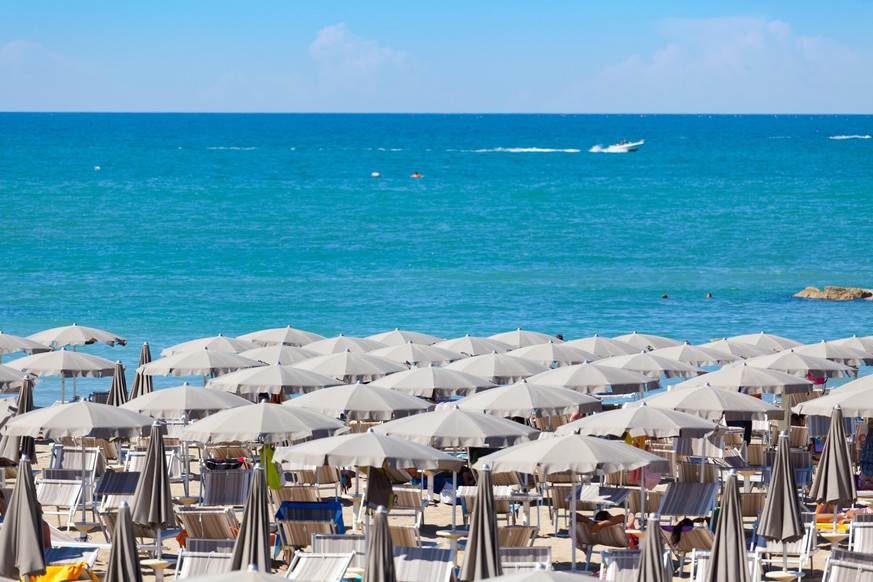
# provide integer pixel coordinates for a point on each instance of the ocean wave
(850, 137)
(525, 151)
(605, 150)
(232, 148)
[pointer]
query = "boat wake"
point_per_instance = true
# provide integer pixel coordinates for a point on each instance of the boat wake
(839, 137)
(526, 151)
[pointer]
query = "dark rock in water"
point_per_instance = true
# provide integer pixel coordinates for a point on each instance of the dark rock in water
(836, 293)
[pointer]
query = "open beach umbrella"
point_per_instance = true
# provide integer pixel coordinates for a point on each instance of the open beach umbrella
(252, 545)
(399, 337)
(474, 346)
(13, 448)
(521, 338)
(713, 404)
(341, 343)
(498, 368)
(855, 398)
(262, 422)
(360, 402)
(21, 537)
(865, 343)
(652, 365)
(740, 349)
(9, 344)
(218, 343)
(76, 335)
(202, 362)
(152, 501)
(434, 383)
(768, 341)
(728, 562)
(65, 364)
(124, 563)
(553, 355)
(273, 379)
(639, 421)
(142, 384)
(653, 568)
(282, 336)
(118, 390)
(741, 377)
(482, 555)
(780, 518)
(12, 379)
(696, 355)
(380, 550)
(192, 402)
(525, 399)
(351, 367)
(590, 378)
(417, 355)
(834, 480)
(648, 342)
(836, 353)
(603, 347)
(279, 354)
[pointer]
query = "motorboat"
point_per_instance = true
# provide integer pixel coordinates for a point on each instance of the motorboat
(624, 146)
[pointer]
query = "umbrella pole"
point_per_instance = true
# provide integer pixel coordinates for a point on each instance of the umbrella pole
(643, 496)
(63, 388)
(454, 497)
(784, 558)
(185, 452)
(572, 524)
(158, 543)
(74, 378)
(786, 411)
(84, 488)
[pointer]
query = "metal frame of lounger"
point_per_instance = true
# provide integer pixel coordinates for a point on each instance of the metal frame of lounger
(700, 562)
(309, 567)
(135, 462)
(516, 559)
(342, 543)
(843, 566)
(60, 493)
(190, 564)
(799, 552)
(424, 564)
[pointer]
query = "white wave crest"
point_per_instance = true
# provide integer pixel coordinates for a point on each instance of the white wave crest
(526, 150)
(850, 137)
(232, 148)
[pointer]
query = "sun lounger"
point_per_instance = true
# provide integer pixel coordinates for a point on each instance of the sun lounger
(688, 500)
(700, 563)
(613, 536)
(861, 533)
(692, 538)
(225, 487)
(843, 566)
(518, 559)
(204, 545)
(342, 544)
(303, 493)
(190, 564)
(424, 564)
(68, 457)
(218, 523)
(620, 565)
(147, 537)
(516, 536)
(70, 563)
(320, 477)
(64, 495)
(115, 487)
(799, 552)
(297, 522)
(319, 567)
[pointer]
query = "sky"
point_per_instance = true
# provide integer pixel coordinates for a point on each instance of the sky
(451, 56)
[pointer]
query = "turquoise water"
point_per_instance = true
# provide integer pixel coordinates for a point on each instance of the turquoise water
(200, 224)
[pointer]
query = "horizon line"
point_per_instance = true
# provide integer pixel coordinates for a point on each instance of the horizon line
(564, 114)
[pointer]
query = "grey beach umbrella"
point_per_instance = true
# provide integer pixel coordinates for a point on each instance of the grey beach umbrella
(728, 562)
(192, 402)
(252, 545)
(218, 343)
(118, 390)
(261, 422)
(380, 550)
(65, 364)
(434, 383)
(76, 335)
(282, 336)
(21, 538)
(481, 558)
(834, 480)
(152, 501)
(780, 517)
(9, 344)
(142, 384)
(398, 337)
(13, 448)
(360, 402)
(124, 563)
(652, 565)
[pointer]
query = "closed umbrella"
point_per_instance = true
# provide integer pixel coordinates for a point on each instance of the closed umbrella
(399, 337)
(434, 383)
(118, 390)
(360, 402)
(218, 343)
(498, 368)
(380, 550)
(202, 362)
(351, 367)
(282, 336)
(152, 501)
(648, 342)
(727, 562)
(524, 399)
(834, 481)
(252, 545)
(65, 364)
(474, 346)
(713, 404)
(652, 565)
(341, 343)
(768, 341)
(554, 355)
(13, 448)
(142, 384)
(272, 379)
(9, 344)
(780, 517)
(603, 347)
(191, 402)
(417, 355)
(279, 354)
(124, 563)
(522, 338)
(262, 422)
(591, 378)
(21, 537)
(76, 335)
(696, 355)
(482, 556)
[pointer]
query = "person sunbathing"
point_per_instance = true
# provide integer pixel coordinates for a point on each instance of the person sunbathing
(601, 520)
(824, 513)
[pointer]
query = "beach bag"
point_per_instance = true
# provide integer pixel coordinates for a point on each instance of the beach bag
(223, 464)
(447, 494)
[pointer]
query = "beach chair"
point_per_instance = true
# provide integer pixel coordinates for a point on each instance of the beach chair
(424, 564)
(70, 563)
(683, 499)
(799, 552)
(322, 478)
(405, 536)
(503, 507)
(191, 564)
(693, 472)
(613, 536)
(802, 463)
(408, 501)
(114, 488)
(217, 523)
(620, 565)
(519, 559)
(64, 495)
(700, 563)
(844, 566)
(861, 533)
(207, 546)
(342, 544)
(69, 457)
(109, 449)
(691, 539)
(147, 537)
(302, 493)
(310, 567)
(516, 536)
(225, 486)
(297, 522)
(559, 505)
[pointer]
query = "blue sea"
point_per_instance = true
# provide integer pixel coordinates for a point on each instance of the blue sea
(167, 227)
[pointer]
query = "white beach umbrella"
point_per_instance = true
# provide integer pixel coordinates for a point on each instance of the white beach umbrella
(12, 379)
(262, 422)
(590, 378)
(865, 343)
(193, 402)
(279, 354)
(273, 379)
(768, 341)
(712, 404)
(434, 383)
(474, 346)
(648, 342)
(417, 355)
(218, 343)
(551, 354)
(653, 366)
(792, 362)
(640, 421)
(741, 349)
(836, 353)
(9, 344)
(603, 347)
(342, 343)
(696, 355)
(287, 336)
(744, 378)
(458, 428)
(361, 402)
(351, 367)
(202, 362)
(399, 337)
(76, 335)
(498, 368)
(65, 364)
(855, 398)
(521, 338)
(524, 400)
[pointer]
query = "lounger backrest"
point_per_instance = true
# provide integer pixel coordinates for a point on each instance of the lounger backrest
(424, 564)
(516, 536)
(342, 543)
(621, 565)
(319, 567)
(226, 487)
(404, 536)
(861, 532)
(192, 564)
(843, 566)
(525, 555)
(700, 563)
(688, 499)
(219, 523)
(204, 545)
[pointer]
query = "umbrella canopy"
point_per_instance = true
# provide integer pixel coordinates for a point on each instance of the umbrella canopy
(836, 353)
(648, 342)
(521, 338)
(482, 557)
(368, 449)
(739, 349)
(696, 355)
(21, 539)
(418, 355)
(380, 550)
(202, 362)
(792, 362)
(252, 545)
(262, 422)
(118, 390)
(865, 344)
(780, 517)
(274, 379)
(768, 341)
(282, 336)
(652, 566)
(751, 380)
(475, 346)
(124, 563)
(79, 419)
(434, 383)
(279, 354)
(603, 347)
(190, 401)
(728, 562)
(855, 398)
(360, 402)
(458, 428)
(13, 448)
(65, 364)
(152, 502)
(551, 354)
(399, 337)
(350, 367)
(498, 368)
(341, 343)
(591, 378)
(640, 421)
(142, 384)
(713, 404)
(525, 399)
(834, 479)
(9, 344)
(76, 335)
(218, 343)
(12, 379)
(652, 365)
